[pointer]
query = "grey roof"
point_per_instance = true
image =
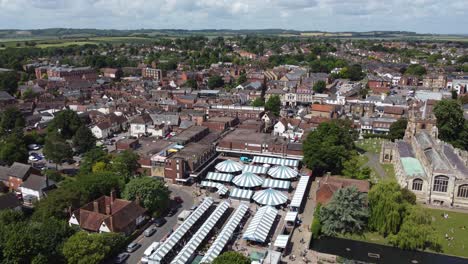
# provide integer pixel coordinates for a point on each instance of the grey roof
(5, 96)
(436, 160)
(404, 149)
(168, 119)
(38, 183)
(19, 170)
(424, 140)
(4, 171)
(455, 160)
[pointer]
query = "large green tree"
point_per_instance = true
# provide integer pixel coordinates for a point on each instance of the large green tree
(66, 123)
(329, 146)
(273, 104)
(91, 157)
(125, 164)
(231, 257)
(355, 168)
(416, 232)
(84, 140)
(13, 149)
(451, 123)
(397, 129)
(320, 86)
(258, 102)
(388, 204)
(215, 81)
(10, 119)
(415, 69)
(85, 248)
(9, 82)
(57, 149)
(152, 194)
(347, 212)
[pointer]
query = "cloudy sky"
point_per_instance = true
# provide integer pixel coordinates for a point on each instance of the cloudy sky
(423, 16)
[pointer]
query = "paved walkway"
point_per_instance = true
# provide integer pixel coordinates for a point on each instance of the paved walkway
(302, 232)
(374, 163)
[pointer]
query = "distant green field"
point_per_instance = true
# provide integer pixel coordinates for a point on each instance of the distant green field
(64, 44)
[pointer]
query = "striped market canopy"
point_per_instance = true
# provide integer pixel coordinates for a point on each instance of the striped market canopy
(276, 161)
(247, 179)
(281, 241)
(270, 197)
(255, 169)
(221, 177)
(301, 187)
(209, 184)
(237, 193)
(282, 172)
(222, 190)
(229, 166)
(261, 224)
(276, 184)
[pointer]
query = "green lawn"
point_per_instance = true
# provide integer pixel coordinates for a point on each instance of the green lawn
(452, 226)
(389, 170)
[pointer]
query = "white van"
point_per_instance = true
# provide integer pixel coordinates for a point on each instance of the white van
(182, 216)
(149, 251)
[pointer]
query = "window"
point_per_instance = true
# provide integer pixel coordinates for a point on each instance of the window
(440, 184)
(463, 191)
(417, 185)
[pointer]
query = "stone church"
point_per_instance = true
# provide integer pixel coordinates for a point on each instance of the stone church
(435, 171)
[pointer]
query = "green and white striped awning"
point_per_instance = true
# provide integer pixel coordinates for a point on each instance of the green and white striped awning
(282, 172)
(276, 161)
(209, 184)
(229, 166)
(261, 223)
(270, 197)
(276, 184)
(247, 179)
(221, 177)
(237, 193)
(255, 169)
(222, 190)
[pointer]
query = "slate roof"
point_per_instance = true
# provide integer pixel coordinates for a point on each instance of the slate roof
(19, 170)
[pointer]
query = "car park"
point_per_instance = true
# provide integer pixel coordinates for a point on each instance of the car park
(149, 231)
(121, 258)
(132, 247)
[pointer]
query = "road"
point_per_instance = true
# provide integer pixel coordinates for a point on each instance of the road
(186, 194)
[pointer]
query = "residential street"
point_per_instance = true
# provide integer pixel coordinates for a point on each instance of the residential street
(186, 195)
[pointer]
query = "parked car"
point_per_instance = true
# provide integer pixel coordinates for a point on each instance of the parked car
(149, 231)
(193, 207)
(34, 147)
(159, 221)
(132, 247)
(172, 212)
(177, 199)
(121, 258)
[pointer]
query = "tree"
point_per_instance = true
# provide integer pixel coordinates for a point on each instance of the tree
(66, 123)
(85, 248)
(57, 149)
(397, 129)
(242, 79)
(54, 175)
(11, 119)
(13, 149)
(84, 140)
(319, 86)
(258, 102)
(125, 164)
(415, 69)
(347, 212)
(329, 146)
(273, 104)
(353, 72)
(316, 226)
(451, 123)
(9, 82)
(388, 205)
(416, 232)
(354, 168)
(29, 94)
(231, 257)
(99, 166)
(215, 81)
(152, 194)
(192, 83)
(92, 157)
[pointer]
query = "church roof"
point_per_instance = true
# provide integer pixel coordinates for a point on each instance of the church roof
(412, 167)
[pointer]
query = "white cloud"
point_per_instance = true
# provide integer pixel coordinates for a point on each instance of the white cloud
(330, 15)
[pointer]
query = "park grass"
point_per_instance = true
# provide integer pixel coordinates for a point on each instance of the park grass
(452, 226)
(64, 44)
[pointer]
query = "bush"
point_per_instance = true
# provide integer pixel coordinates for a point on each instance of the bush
(316, 227)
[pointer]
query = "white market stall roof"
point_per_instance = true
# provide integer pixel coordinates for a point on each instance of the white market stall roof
(229, 166)
(255, 169)
(247, 179)
(270, 197)
(290, 216)
(300, 191)
(226, 234)
(237, 193)
(222, 190)
(174, 238)
(282, 172)
(276, 184)
(221, 177)
(261, 224)
(281, 241)
(189, 249)
(209, 184)
(276, 161)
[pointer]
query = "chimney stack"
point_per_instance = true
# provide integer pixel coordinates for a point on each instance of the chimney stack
(108, 209)
(96, 206)
(113, 196)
